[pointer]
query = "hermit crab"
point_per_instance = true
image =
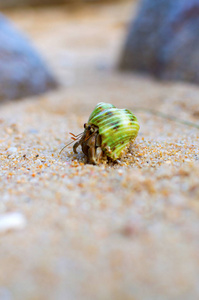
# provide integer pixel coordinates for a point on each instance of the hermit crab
(107, 133)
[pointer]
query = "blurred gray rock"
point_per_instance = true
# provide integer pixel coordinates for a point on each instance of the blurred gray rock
(22, 71)
(163, 40)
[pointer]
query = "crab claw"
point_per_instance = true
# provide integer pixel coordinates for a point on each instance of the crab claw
(75, 147)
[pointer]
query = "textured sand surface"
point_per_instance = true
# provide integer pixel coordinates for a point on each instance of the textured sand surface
(122, 232)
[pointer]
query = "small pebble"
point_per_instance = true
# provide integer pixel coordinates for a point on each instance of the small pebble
(12, 221)
(12, 149)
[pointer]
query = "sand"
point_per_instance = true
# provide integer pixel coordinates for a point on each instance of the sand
(74, 231)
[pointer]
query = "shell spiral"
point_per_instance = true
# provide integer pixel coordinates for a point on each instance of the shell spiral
(117, 127)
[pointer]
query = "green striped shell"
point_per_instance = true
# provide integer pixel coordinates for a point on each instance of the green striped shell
(117, 127)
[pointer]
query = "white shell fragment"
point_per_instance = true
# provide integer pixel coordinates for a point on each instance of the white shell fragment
(12, 221)
(12, 149)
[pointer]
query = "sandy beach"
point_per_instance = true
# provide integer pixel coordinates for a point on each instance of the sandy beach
(125, 231)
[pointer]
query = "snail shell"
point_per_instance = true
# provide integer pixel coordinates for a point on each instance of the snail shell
(117, 127)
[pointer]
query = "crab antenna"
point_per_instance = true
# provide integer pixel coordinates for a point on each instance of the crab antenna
(66, 146)
(75, 135)
(74, 139)
(72, 134)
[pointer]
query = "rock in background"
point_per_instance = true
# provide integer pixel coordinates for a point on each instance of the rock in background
(22, 71)
(163, 40)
